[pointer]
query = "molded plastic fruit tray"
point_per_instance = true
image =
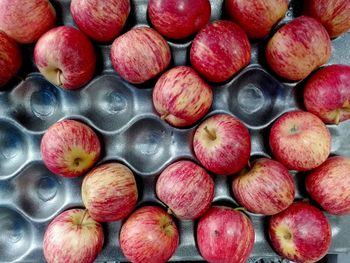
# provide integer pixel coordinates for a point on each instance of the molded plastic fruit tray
(132, 133)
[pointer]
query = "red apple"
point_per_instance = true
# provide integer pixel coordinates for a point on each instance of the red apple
(329, 185)
(186, 188)
(327, 94)
(11, 59)
(298, 48)
(222, 144)
(181, 97)
(100, 20)
(109, 192)
(300, 140)
(256, 17)
(179, 18)
(225, 235)
(301, 233)
(73, 237)
(26, 20)
(220, 50)
(66, 57)
(69, 148)
(333, 14)
(149, 235)
(140, 54)
(264, 188)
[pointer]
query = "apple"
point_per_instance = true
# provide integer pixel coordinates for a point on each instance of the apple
(220, 50)
(256, 17)
(333, 14)
(26, 20)
(301, 233)
(181, 97)
(300, 140)
(327, 94)
(149, 235)
(179, 19)
(69, 148)
(11, 58)
(329, 185)
(109, 192)
(264, 188)
(186, 188)
(298, 48)
(225, 235)
(140, 54)
(100, 20)
(222, 144)
(65, 57)
(74, 237)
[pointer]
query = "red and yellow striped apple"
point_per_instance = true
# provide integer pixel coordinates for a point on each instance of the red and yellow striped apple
(327, 94)
(329, 185)
(149, 235)
(181, 97)
(73, 236)
(109, 192)
(69, 148)
(301, 233)
(264, 188)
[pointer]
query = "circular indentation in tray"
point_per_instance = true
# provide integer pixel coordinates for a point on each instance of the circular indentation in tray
(43, 103)
(15, 235)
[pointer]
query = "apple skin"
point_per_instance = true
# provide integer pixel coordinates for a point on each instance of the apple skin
(69, 148)
(220, 50)
(26, 20)
(186, 188)
(329, 185)
(256, 17)
(300, 140)
(222, 144)
(301, 233)
(74, 237)
(149, 235)
(327, 94)
(65, 57)
(179, 19)
(333, 14)
(225, 235)
(100, 20)
(140, 54)
(109, 192)
(11, 58)
(266, 188)
(298, 48)
(181, 97)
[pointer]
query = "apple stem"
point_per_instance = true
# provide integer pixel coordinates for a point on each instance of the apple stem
(337, 117)
(59, 73)
(164, 116)
(83, 218)
(211, 135)
(19, 77)
(249, 164)
(240, 209)
(169, 211)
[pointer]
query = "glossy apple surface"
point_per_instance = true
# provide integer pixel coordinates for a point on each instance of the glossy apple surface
(301, 233)
(220, 50)
(298, 48)
(181, 97)
(69, 148)
(65, 57)
(300, 140)
(329, 185)
(140, 54)
(222, 144)
(225, 235)
(266, 188)
(256, 17)
(149, 235)
(100, 20)
(327, 94)
(73, 236)
(26, 20)
(109, 192)
(178, 18)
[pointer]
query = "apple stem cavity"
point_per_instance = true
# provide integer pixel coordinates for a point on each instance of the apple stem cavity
(211, 135)
(76, 162)
(287, 236)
